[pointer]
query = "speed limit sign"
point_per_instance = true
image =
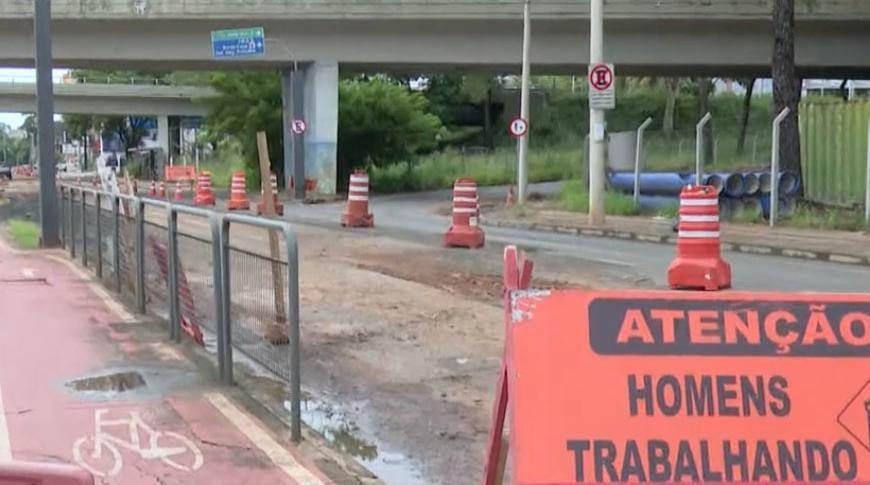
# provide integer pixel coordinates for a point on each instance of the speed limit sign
(518, 127)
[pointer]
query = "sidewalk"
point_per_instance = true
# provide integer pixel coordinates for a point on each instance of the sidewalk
(83, 382)
(834, 246)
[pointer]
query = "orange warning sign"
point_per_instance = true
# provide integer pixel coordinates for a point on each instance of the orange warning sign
(671, 387)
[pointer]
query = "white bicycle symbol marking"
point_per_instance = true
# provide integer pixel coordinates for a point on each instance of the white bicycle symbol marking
(176, 450)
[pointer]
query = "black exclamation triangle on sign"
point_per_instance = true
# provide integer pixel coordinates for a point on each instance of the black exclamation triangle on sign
(854, 419)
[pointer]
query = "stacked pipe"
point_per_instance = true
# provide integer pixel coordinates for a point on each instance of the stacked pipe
(739, 192)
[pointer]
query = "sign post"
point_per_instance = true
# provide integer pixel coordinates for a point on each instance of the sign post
(235, 43)
(596, 118)
(622, 386)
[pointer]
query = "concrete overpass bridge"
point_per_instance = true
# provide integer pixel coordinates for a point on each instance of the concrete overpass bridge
(644, 37)
(110, 99)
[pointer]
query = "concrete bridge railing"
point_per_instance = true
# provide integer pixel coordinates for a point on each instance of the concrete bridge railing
(342, 9)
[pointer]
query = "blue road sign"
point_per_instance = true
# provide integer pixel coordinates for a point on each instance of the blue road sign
(228, 44)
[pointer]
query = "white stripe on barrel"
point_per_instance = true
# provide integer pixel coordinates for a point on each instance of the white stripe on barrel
(689, 218)
(699, 234)
(699, 202)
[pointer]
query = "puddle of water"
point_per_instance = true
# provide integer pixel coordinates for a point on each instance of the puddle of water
(337, 426)
(111, 383)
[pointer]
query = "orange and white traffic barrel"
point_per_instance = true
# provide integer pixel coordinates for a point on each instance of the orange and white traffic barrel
(357, 214)
(465, 231)
(699, 264)
(279, 208)
(204, 192)
(238, 192)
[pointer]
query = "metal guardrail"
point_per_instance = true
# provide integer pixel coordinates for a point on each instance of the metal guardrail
(84, 213)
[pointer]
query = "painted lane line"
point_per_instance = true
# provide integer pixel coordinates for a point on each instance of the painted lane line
(279, 456)
(5, 446)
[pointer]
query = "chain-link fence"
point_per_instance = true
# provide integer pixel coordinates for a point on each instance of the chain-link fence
(192, 278)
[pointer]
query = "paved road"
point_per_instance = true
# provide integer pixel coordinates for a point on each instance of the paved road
(413, 216)
(83, 383)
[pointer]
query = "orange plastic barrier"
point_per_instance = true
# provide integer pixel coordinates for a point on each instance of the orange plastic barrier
(178, 173)
(699, 263)
(18, 473)
(357, 214)
(637, 386)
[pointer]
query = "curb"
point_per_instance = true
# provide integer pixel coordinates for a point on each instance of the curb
(653, 238)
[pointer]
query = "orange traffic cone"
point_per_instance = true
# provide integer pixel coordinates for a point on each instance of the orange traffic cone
(464, 232)
(152, 191)
(279, 208)
(699, 264)
(161, 192)
(238, 193)
(511, 197)
(179, 192)
(204, 192)
(356, 214)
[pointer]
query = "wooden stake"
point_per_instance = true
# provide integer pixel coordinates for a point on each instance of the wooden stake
(277, 332)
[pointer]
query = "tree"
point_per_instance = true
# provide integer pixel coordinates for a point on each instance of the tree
(672, 89)
(749, 85)
(380, 121)
(786, 84)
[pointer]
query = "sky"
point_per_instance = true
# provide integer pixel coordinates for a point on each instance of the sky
(21, 76)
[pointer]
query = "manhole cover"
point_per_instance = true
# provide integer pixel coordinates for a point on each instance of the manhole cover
(118, 382)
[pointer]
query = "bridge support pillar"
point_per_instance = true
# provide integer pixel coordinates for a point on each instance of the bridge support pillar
(163, 135)
(321, 118)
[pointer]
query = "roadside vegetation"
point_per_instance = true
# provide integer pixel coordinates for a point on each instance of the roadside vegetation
(24, 233)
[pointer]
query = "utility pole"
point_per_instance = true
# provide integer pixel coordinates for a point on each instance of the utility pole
(45, 123)
(523, 151)
(596, 119)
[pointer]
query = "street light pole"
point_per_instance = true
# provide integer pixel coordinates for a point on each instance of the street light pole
(596, 118)
(523, 152)
(45, 123)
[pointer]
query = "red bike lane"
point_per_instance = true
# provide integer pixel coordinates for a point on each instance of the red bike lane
(59, 340)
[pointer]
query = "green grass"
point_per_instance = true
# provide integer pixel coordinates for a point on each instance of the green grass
(439, 171)
(228, 160)
(575, 198)
(25, 233)
(807, 216)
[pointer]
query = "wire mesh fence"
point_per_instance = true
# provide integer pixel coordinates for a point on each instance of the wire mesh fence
(196, 281)
(127, 250)
(76, 224)
(90, 233)
(156, 272)
(258, 309)
(107, 229)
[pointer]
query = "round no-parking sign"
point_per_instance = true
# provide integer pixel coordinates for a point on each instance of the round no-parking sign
(518, 127)
(298, 127)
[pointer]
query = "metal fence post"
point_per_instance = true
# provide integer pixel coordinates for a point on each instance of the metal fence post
(293, 321)
(98, 209)
(638, 156)
(140, 256)
(699, 147)
(172, 269)
(72, 225)
(116, 241)
(222, 284)
(84, 228)
(62, 212)
(774, 166)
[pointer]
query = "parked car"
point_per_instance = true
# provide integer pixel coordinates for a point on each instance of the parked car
(5, 172)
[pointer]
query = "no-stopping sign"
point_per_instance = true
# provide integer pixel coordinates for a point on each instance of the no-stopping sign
(518, 127)
(602, 94)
